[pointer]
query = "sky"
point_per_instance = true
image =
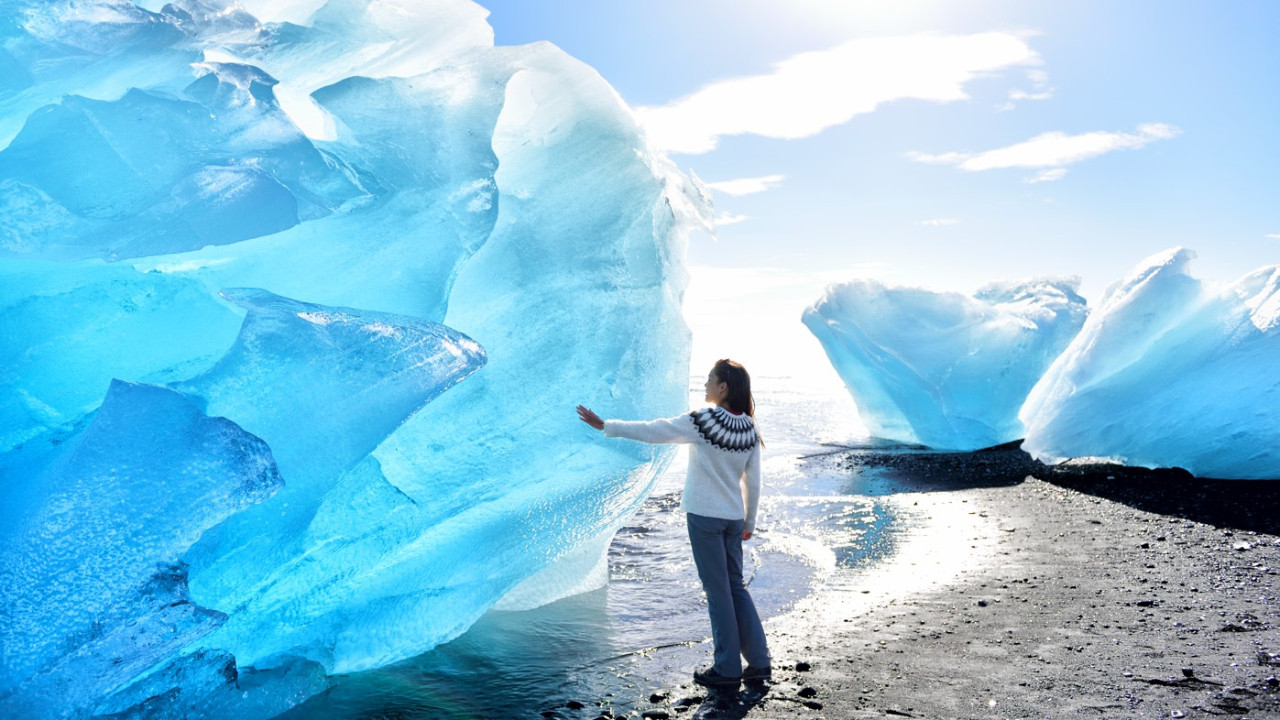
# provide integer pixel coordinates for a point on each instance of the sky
(943, 145)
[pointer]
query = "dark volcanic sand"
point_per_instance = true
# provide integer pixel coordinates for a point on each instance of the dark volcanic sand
(1092, 592)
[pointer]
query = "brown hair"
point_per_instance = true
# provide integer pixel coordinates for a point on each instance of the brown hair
(740, 398)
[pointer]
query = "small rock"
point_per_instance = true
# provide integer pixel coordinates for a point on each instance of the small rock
(1128, 674)
(1177, 714)
(1266, 658)
(657, 697)
(655, 715)
(1188, 672)
(803, 667)
(1242, 546)
(983, 603)
(807, 692)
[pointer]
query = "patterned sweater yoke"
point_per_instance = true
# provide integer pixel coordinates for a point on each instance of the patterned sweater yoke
(735, 433)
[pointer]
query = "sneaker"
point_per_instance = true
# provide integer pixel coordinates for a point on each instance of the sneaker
(712, 679)
(754, 673)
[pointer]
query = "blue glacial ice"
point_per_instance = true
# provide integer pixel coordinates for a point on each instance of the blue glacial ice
(286, 245)
(943, 369)
(68, 329)
(104, 522)
(1169, 371)
(91, 532)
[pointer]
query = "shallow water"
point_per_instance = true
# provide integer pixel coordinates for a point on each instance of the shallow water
(647, 629)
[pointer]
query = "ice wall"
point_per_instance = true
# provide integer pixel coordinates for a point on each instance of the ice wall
(943, 369)
(276, 228)
(1169, 371)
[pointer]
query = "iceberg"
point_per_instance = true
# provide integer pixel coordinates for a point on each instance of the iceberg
(943, 369)
(1170, 371)
(359, 256)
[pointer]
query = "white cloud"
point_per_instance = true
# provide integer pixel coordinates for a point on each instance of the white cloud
(940, 222)
(1048, 175)
(951, 158)
(1273, 236)
(1040, 89)
(746, 186)
(724, 220)
(1023, 95)
(1051, 151)
(813, 91)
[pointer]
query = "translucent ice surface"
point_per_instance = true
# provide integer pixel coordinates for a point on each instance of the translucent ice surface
(1169, 371)
(943, 369)
(89, 531)
(364, 241)
(67, 329)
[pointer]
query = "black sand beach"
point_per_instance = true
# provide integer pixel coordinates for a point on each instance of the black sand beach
(1086, 591)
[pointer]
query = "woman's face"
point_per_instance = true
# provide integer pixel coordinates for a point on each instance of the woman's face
(716, 391)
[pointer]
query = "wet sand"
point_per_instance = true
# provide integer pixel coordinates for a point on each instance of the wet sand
(1066, 592)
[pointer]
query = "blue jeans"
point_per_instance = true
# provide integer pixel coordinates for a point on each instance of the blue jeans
(736, 631)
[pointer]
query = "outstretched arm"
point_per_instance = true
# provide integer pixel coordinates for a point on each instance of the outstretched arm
(590, 418)
(673, 430)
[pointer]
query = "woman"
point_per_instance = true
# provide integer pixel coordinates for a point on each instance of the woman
(721, 494)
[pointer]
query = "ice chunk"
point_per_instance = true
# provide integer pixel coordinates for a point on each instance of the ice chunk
(488, 484)
(433, 198)
(323, 386)
(208, 685)
(353, 375)
(107, 512)
(67, 329)
(1169, 372)
(943, 369)
(88, 529)
(400, 172)
(148, 174)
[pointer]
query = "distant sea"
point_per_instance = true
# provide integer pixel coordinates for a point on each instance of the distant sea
(647, 629)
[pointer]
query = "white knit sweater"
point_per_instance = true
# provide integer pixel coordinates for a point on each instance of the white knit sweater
(724, 460)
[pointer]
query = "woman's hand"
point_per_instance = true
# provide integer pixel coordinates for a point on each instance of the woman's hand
(746, 535)
(590, 418)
